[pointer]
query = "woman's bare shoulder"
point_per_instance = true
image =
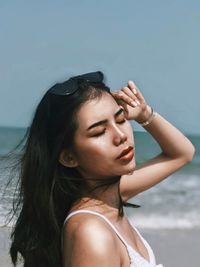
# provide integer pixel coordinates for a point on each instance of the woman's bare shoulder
(89, 241)
(82, 225)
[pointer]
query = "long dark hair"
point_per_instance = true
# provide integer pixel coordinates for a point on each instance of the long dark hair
(47, 189)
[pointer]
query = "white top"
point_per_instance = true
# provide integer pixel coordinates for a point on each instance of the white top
(136, 259)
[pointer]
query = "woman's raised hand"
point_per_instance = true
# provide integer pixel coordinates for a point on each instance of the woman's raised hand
(133, 102)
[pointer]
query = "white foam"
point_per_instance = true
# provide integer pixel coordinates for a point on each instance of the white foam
(187, 221)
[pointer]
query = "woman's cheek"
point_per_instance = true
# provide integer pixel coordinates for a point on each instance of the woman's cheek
(95, 146)
(130, 130)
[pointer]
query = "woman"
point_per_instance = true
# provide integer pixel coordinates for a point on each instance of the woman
(78, 171)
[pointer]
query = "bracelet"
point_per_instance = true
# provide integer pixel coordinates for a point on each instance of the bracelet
(153, 114)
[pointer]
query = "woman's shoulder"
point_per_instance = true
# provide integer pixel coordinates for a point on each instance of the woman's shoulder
(82, 223)
(82, 220)
(88, 233)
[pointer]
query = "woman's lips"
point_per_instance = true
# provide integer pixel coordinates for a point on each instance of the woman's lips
(126, 154)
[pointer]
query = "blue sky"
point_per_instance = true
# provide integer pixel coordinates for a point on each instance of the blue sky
(155, 43)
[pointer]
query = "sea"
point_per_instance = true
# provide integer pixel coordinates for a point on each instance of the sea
(173, 203)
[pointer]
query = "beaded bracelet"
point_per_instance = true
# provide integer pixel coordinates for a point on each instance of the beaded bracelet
(153, 114)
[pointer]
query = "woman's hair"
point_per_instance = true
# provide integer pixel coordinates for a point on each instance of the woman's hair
(47, 189)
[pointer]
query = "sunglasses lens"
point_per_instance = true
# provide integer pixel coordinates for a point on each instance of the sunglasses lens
(65, 88)
(71, 86)
(92, 76)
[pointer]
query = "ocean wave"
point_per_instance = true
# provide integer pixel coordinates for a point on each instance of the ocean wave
(188, 220)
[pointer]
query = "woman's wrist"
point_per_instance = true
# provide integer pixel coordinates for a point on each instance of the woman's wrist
(146, 116)
(150, 119)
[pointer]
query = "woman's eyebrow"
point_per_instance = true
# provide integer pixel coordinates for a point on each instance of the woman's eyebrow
(99, 123)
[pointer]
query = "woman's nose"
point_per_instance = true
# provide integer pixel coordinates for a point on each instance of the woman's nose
(120, 137)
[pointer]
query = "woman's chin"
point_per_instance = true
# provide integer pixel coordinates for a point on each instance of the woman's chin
(128, 169)
(131, 166)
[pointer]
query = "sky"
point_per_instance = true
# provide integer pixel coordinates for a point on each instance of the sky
(154, 43)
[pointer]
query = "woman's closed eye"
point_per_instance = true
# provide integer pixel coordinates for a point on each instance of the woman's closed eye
(103, 132)
(121, 118)
(121, 121)
(99, 133)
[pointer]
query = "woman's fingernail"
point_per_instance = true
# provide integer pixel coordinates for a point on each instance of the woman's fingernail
(134, 104)
(134, 91)
(137, 101)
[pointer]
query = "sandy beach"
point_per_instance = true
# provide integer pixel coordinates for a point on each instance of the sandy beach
(175, 248)
(172, 248)
(5, 260)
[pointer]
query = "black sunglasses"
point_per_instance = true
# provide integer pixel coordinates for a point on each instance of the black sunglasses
(71, 86)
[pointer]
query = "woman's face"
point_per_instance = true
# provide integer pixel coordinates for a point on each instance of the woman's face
(103, 134)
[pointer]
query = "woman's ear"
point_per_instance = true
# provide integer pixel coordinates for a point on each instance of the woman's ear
(67, 159)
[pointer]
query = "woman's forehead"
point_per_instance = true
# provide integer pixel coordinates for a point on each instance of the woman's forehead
(97, 109)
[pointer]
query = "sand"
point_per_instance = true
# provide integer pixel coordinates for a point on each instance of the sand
(172, 248)
(175, 248)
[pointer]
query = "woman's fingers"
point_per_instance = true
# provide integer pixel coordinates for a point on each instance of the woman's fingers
(122, 96)
(132, 87)
(131, 94)
(136, 91)
(128, 97)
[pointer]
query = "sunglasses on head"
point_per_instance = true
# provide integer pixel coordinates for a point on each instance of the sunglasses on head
(71, 86)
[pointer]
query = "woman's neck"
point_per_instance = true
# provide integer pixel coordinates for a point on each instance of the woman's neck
(103, 199)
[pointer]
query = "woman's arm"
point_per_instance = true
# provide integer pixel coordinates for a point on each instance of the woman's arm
(177, 150)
